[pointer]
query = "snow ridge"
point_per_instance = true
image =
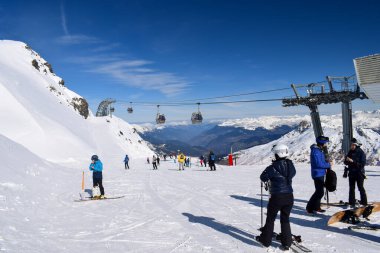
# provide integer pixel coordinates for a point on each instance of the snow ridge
(366, 130)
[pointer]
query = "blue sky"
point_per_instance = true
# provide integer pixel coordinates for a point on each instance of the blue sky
(176, 50)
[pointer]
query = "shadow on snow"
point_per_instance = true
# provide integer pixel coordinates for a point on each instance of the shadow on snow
(236, 233)
(320, 223)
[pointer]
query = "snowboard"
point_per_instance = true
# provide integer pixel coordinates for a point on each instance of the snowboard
(365, 227)
(93, 199)
(352, 215)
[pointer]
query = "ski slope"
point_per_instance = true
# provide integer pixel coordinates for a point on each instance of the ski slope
(163, 211)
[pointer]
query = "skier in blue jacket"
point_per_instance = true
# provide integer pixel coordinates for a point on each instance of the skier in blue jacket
(319, 166)
(96, 167)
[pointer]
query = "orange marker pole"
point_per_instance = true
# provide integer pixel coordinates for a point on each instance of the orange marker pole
(82, 181)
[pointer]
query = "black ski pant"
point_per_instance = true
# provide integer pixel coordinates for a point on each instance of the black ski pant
(126, 165)
(98, 181)
(357, 178)
(314, 203)
(282, 202)
(212, 165)
(154, 165)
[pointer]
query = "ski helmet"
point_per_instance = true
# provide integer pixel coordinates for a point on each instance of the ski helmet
(281, 150)
(94, 158)
(322, 140)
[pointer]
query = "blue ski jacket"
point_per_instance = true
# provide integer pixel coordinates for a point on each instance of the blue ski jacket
(97, 169)
(318, 162)
(97, 166)
(280, 174)
(126, 159)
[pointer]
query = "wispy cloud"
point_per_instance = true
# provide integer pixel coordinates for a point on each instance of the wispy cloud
(77, 39)
(71, 39)
(63, 20)
(127, 73)
(105, 48)
(134, 73)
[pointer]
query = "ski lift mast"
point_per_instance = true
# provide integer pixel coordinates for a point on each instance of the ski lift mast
(318, 94)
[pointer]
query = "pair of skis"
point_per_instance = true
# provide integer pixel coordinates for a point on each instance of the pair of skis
(91, 198)
(296, 245)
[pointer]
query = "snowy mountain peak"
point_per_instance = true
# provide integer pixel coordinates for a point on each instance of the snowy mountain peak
(366, 128)
(39, 112)
(20, 59)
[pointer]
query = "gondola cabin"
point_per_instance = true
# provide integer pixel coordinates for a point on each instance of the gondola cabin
(160, 118)
(196, 118)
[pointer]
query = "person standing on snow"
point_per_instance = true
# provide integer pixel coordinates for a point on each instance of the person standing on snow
(147, 160)
(181, 160)
(96, 167)
(319, 166)
(355, 161)
(158, 160)
(126, 161)
(154, 162)
(201, 160)
(211, 161)
(279, 175)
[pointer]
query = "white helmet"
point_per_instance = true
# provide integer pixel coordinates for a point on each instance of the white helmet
(281, 150)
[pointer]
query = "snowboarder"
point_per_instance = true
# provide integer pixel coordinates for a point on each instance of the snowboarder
(154, 162)
(355, 161)
(211, 160)
(96, 167)
(126, 160)
(181, 160)
(319, 166)
(279, 175)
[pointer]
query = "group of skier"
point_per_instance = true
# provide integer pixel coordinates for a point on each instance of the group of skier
(279, 176)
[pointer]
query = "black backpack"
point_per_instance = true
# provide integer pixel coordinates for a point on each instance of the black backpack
(331, 180)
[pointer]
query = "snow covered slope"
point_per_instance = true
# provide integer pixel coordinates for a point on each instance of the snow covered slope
(39, 112)
(164, 210)
(366, 130)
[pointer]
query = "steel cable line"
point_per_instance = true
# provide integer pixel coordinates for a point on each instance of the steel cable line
(174, 103)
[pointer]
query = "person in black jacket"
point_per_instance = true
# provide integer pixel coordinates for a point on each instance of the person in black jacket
(355, 161)
(279, 174)
(211, 161)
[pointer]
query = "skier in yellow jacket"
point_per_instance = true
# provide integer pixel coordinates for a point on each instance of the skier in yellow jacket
(181, 159)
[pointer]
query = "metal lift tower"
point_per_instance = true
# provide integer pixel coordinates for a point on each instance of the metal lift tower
(333, 90)
(105, 108)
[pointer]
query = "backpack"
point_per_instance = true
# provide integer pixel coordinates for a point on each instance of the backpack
(331, 180)
(212, 157)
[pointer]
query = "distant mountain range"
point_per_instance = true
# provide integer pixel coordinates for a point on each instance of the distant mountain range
(252, 138)
(218, 136)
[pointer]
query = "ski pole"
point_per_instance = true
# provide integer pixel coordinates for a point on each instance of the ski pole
(261, 203)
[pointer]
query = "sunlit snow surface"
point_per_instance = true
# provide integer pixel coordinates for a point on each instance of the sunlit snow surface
(163, 211)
